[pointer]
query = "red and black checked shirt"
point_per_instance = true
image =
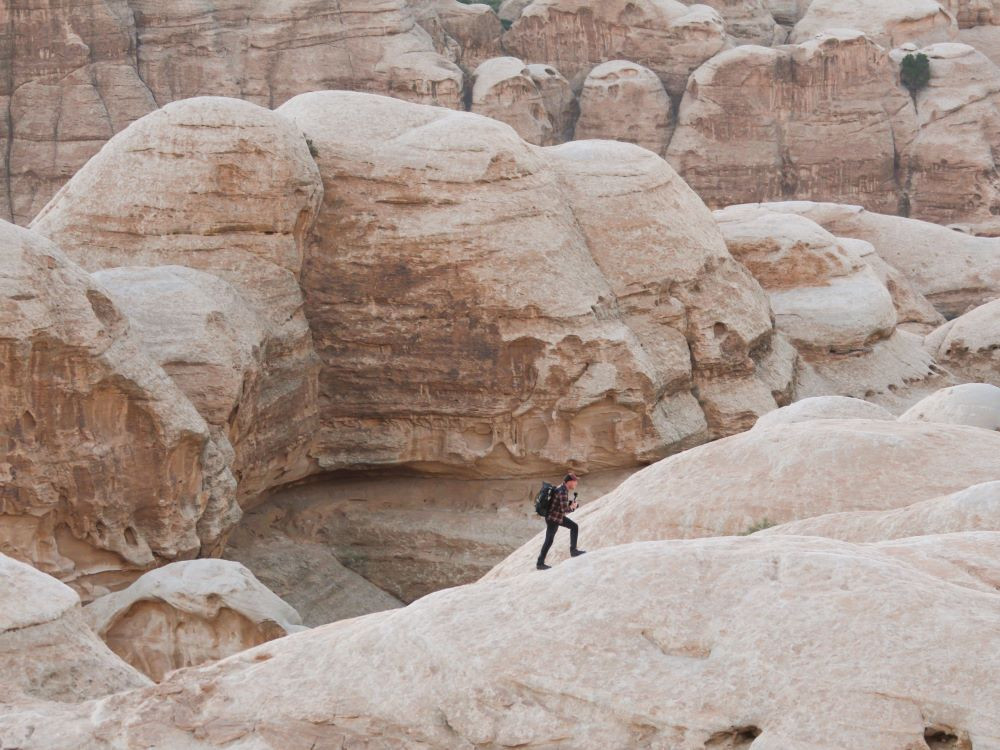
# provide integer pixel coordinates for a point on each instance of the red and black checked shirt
(561, 505)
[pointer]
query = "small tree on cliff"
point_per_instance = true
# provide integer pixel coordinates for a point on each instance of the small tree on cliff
(915, 72)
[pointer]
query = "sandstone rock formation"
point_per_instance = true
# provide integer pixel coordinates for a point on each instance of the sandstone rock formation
(560, 102)
(747, 21)
(69, 82)
(971, 13)
(823, 120)
(973, 404)
(575, 35)
(466, 34)
(75, 73)
(47, 652)
(623, 101)
(714, 645)
(955, 173)
(488, 360)
(510, 10)
(975, 508)
(829, 302)
(188, 613)
(504, 89)
(823, 407)
(787, 12)
(780, 474)
(954, 271)
(889, 23)
(107, 469)
(228, 188)
(969, 346)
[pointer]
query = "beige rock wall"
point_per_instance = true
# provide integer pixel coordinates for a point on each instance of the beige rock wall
(466, 34)
(954, 271)
(47, 652)
(969, 345)
(515, 326)
(189, 613)
(231, 189)
(889, 23)
(705, 643)
(747, 21)
(504, 89)
(973, 404)
(75, 72)
(575, 35)
(107, 469)
(623, 101)
(560, 102)
(822, 120)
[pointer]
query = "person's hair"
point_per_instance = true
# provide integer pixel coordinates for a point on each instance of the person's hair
(570, 477)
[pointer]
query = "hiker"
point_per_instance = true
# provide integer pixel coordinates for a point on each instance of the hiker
(561, 505)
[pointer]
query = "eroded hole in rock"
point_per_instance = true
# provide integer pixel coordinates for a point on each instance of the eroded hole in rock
(733, 739)
(131, 538)
(349, 544)
(946, 738)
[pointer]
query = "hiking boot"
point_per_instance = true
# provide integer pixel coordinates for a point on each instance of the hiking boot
(577, 552)
(542, 566)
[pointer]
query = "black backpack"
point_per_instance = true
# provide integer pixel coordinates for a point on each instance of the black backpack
(543, 500)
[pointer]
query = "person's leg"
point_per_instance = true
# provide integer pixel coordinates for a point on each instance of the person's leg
(550, 534)
(574, 532)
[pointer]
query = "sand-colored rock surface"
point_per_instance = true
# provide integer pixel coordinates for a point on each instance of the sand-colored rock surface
(78, 72)
(189, 613)
(889, 23)
(828, 301)
(69, 83)
(747, 21)
(973, 404)
(503, 270)
(972, 13)
(953, 270)
(623, 101)
(230, 189)
(466, 34)
(823, 407)
(714, 645)
(107, 469)
(47, 652)
(821, 120)
(969, 346)
(784, 473)
(504, 89)
(561, 103)
(787, 12)
(510, 10)
(955, 173)
(575, 35)
(975, 508)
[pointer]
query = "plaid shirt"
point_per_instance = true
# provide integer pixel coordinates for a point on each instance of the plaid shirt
(561, 505)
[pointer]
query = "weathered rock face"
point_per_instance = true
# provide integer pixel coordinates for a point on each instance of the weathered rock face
(970, 345)
(623, 101)
(560, 102)
(889, 23)
(955, 174)
(714, 646)
(76, 72)
(973, 404)
(823, 407)
(787, 12)
(954, 271)
(823, 120)
(189, 613)
(976, 508)
(828, 302)
(107, 468)
(747, 21)
(575, 35)
(504, 89)
(510, 10)
(229, 188)
(466, 34)
(47, 652)
(971, 13)
(478, 340)
(780, 474)
(68, 82)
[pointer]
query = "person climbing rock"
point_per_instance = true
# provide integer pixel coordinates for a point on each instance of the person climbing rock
(561, 505)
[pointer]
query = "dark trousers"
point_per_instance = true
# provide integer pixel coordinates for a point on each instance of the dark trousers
(550, 534)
